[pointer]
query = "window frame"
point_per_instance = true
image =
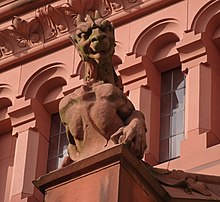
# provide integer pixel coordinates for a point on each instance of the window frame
(168, 153)
(57, 130)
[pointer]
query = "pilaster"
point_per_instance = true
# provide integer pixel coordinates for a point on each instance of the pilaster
(133, 72)
(194, 58)
(31, 125)
(141, 81)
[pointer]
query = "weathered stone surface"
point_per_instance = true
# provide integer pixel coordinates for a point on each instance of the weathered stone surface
(112, 175)
(98, 114)
(117, 175)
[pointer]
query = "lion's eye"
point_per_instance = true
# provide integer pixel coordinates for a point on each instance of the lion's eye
(88, 33)
(85, 35)
(79, 35)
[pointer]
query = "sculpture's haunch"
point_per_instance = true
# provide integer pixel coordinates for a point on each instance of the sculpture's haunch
(98, 114)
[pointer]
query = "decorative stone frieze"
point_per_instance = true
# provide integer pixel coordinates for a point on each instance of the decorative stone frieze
(51, 22)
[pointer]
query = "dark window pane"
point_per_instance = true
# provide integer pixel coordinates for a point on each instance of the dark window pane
(55, 125)
(172, 113)
(62, 128)
(178, 79)
(53, 146)
(177, 123)
(166, 82)
(178, 100)
(165, 127)
(175, 145)
(52, 164)
(165, 104)
(164, 150)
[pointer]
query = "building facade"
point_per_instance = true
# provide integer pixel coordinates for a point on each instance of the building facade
(167, 54)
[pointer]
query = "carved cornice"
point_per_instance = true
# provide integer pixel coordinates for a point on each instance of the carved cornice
(9, 8)
(195, 49)
(133, 73)
(27, 114)
(51, 22)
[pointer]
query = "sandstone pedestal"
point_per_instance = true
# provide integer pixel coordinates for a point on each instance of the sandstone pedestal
(114, 175)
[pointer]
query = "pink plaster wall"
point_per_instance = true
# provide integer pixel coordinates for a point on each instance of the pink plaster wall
(152, 37)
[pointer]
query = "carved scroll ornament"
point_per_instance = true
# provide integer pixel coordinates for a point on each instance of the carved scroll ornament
(51, 22)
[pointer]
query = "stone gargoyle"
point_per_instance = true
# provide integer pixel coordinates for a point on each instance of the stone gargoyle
(98, 114)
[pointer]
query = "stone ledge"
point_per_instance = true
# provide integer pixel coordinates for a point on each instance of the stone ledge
(125, 178)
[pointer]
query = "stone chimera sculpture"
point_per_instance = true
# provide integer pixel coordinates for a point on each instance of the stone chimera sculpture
(98, 114)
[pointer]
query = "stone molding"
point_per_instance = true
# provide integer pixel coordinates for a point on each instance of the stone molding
(26, 114)
(133, 72)
(157, 184)
(51, 22)
(193, 50)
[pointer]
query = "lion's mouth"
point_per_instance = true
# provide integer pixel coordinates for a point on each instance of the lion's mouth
(98, 53)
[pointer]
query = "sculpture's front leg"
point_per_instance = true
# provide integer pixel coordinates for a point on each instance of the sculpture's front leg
(133, 134)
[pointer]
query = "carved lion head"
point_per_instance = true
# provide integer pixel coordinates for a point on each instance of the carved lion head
(94, 38)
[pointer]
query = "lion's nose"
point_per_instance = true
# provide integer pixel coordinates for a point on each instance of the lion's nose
(98, 36)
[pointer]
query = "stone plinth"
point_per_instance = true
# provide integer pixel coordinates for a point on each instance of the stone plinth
(113, 175)
(110, 176)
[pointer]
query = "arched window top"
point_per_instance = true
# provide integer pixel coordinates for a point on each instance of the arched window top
(159, 34)
(45, 82)
(207, 18)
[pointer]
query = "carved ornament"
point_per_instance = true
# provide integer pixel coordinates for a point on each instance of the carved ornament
(51, 22)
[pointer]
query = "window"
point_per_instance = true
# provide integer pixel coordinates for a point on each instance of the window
(57, 143)
(171, 113)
